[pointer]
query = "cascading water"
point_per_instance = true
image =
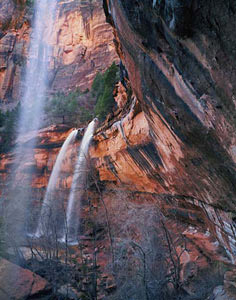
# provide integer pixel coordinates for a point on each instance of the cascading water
(37, 69)
(77, 187)
(46, 214)
(34, 89)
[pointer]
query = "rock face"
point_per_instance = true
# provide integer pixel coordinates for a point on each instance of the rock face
(178, 140)
(172, 144)
(14, 38)
(18, 283)
(82, 46)
(39, 165)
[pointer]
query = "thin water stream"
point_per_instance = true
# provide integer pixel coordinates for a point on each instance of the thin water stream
(49, 198)
(77, 187)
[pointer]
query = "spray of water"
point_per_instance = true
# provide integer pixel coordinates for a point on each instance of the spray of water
(77, 187)
(34, 89)
(37, 69)
(49, 198)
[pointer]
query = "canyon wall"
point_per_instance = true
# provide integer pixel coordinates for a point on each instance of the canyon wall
(82, 46)
(178, 139)
(37, 166)
(171, 146)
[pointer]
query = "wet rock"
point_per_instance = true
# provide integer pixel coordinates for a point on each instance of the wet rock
(48, 143)
(182, 141)
(121, 96)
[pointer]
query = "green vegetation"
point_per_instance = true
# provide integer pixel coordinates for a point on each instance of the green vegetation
(102, 88)
(73, 108)
(22, 3)
(8, 123)
(2, 238)
(63, 106)
(30, 2)
(77, 108)
(98, 85)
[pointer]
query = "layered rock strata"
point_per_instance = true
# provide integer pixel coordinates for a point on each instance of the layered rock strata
(38, 166)
(180, 145)
(82, 46)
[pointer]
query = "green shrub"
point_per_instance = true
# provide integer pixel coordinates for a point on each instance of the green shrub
(75, 108)
(2, 238)
(21, 3)
(102, 88)
(8, 122)
(30, 3)
(63, 106)
(98, 85)
(105, 103)
(1, 119)
(85, 115)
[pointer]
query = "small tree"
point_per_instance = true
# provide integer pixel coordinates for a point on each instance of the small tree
(63, 106)
(103, 87)
(8, 122)
(98, 85)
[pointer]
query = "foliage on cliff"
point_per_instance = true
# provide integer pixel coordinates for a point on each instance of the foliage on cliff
(102, 88)
(75, 108)
(2, 238)
(8, 123)
(23, 3)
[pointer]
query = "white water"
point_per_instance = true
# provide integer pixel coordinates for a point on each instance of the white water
(49, 198)
(77, 187)
(36, 78)
(34, 87)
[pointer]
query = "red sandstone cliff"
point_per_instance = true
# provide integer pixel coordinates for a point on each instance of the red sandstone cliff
(82, 46)
(179, 142)
(172, 147)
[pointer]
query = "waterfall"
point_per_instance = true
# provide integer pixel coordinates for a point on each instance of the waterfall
(77, 187)
(36, 77)
(49, 198)
(34, 88)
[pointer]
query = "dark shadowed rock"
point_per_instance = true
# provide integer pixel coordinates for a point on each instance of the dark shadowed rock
(18, 283)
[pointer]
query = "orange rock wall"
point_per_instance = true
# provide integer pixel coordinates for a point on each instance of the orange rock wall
(82, 46)
(180, 146)
(39, 165)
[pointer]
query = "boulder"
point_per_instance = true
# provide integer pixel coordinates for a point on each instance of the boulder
(18, 283)
(70, 292)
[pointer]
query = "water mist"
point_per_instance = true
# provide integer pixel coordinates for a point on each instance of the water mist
(34, 87)
(48, 213)
(77, 187)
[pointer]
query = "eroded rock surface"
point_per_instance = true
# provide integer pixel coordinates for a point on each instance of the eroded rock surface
(18, 283)
(82, 46)
(180, 145)
(37, 166)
